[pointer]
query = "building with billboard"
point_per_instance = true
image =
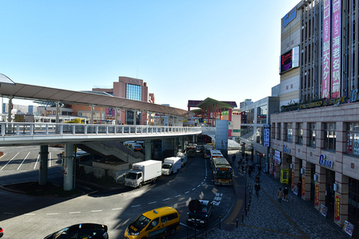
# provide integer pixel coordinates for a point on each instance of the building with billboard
(315, 136)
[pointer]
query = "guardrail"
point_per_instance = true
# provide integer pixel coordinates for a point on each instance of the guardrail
(21, 129)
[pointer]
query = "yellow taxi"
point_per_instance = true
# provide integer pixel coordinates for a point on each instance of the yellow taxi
(153, 224)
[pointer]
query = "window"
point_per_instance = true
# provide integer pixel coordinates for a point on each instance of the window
(273, 131)
(288, 129)
(353, 138)
(248, 116)
(300, 133)
(262, 114)
(279, 131)
(353, 200)
(133, 92)
(329, 136)
(312, 134)
(259, 135)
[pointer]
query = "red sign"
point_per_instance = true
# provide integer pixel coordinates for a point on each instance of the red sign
(337, 208)
(303, 186)
(292, 179)
(316, 196)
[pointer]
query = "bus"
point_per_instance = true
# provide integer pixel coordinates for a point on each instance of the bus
(215, 153)
(222, 171)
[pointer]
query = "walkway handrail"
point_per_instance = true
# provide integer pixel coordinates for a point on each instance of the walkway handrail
(21, 129)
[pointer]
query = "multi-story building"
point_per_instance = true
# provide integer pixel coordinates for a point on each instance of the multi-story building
(255, 121)
(315, 137)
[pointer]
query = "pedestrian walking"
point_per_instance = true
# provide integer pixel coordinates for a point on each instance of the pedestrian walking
(280, 195)
(285, 192)
(257, 187)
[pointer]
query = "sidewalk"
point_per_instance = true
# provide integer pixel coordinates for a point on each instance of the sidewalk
(267, 218)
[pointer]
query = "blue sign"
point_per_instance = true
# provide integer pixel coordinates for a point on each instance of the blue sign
(325, 162)
(289, 17)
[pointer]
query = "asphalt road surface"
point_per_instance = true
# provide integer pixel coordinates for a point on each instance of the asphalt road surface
(23, 216)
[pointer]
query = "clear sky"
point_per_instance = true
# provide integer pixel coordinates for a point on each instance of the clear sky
(184, 49)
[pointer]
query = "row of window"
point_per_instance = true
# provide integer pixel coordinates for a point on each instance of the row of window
(329, 137)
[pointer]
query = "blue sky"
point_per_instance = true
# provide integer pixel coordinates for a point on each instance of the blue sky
(184, 50)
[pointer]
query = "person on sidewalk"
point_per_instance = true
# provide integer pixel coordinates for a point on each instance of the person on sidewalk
(285, 191)
(280, 195)
(257, 187)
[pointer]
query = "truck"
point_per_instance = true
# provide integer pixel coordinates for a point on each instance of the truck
(142, 173)
(171, 165)
(183, 157)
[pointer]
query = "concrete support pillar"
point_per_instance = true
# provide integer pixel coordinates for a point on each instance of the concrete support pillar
(177, 146)
(341, 199)
(148, 149)
(44, 151)
(321, 185)
(181, 142)
(9, 109)
(116, 115)
(92, 114)
(193, 138)
(69, 167)
(306, 181)
(135, 117)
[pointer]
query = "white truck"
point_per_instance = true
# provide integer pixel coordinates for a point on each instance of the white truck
(142, 173)
(183, 157)
(171, 165)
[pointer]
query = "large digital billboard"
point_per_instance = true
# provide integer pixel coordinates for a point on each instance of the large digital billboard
(289, 60)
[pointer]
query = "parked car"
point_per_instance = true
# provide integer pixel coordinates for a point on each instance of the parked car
(202, 216)
(85, 230)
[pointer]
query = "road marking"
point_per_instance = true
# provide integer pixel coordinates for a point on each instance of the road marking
(136, 205)
(51, 213)
(23, 160)
(96, 211)
(186, 192)
(29, 214)
(8, 213)
(152, 202)
(166, 199)
(9, 161)
(178, 195)
(198, 185)
(193, 189)
(114, 209)
(37, 160)
(74, 212)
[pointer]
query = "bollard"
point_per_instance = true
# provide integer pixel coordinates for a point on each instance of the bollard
(237, 222)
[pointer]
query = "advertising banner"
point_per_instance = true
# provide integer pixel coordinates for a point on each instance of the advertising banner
(323, 210)
(337, 208)
(336, 59)
(326, 49)
(303, 187)
(284, 173)
(348, 228)
(276, 157)
(356, 144)
(266, 137)
(316, 196)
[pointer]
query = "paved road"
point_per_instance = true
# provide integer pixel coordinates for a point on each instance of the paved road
(24, 216)
(267, 218)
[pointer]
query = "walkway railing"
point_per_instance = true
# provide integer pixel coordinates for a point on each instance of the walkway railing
(21, 129)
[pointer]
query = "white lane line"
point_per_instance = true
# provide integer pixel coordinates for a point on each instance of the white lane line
(9, 161)
(193, 189)
(37, 160)
(96, 211)
(178, 195)
(152, 202)
(8, 213)
(52, 213)
(74, 212)
(166, 199)
(118, 208)
(136, 205)
(23, 160)
(186, 192)
(29, 214)
(198, 185)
